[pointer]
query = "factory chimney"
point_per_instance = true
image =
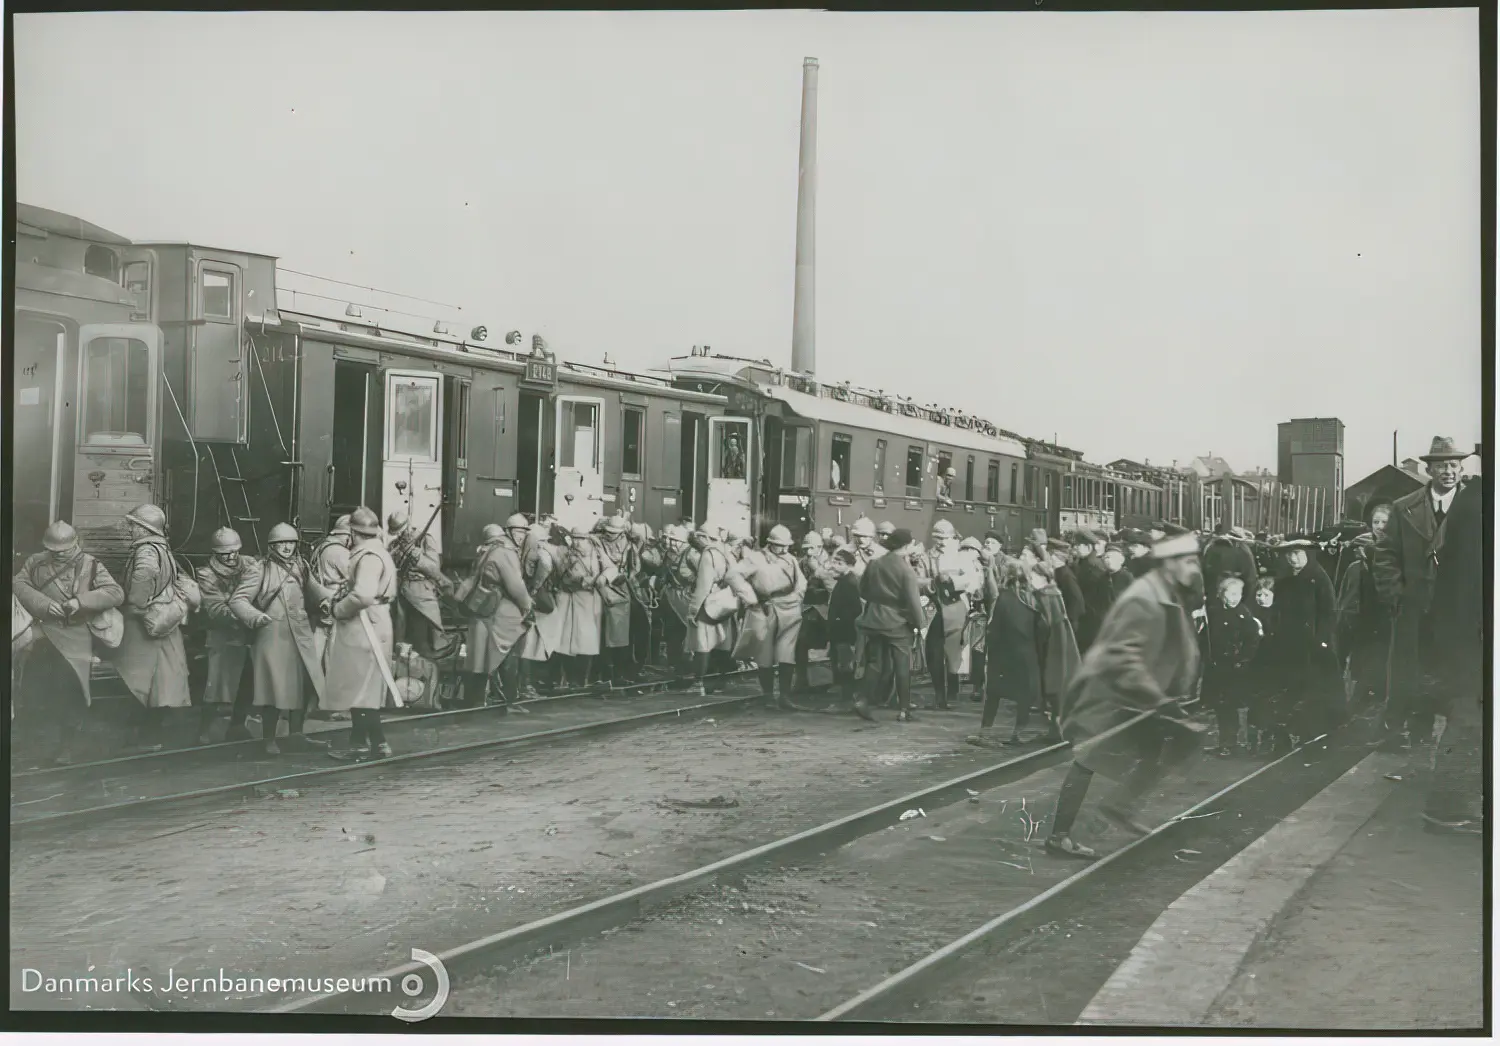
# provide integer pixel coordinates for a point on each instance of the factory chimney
(804, 303)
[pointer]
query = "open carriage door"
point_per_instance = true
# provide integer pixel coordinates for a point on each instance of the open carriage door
(115, 466)
(578, 495)
(729, 457)
(412, 469)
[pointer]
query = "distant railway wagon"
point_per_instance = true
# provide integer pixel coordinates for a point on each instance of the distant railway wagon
(823, 455)
(166, 372)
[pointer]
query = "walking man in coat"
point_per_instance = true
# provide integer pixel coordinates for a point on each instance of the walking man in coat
(63, 588)
(1123, 712)
(1404, 564)
(362, 645)
(230, 630)
(283, 655)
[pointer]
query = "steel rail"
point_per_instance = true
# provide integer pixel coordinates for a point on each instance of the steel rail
(579, 923)
(396, 725)
(920, 974)
(600, 726)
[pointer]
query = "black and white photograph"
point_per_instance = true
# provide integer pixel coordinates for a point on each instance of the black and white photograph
(677, 522)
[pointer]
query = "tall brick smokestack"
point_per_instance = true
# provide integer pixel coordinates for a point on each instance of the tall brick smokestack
(804, 304)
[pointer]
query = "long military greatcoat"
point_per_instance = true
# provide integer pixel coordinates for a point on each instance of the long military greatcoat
(703, 635)
(1145, 659)
(354, 679)
(46, 579)
(583, 568)
(769, 632)
(155, 670)
(230, 626)
(623, 560)
(421, 576)
(284, 656)
(492, 638)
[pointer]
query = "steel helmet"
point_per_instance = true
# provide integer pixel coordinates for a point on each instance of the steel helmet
(811, 540)
(616, 524)
(943, 529)
(492, 532)
(397, 521)
(60, 537)
(364, 522)
(970, 543)
(886, 528)
(863, 527)
(224, 540)
(517, 521)
(581, 530)
(150, 517)
(282, 532)
(779, 535)
(340, 526)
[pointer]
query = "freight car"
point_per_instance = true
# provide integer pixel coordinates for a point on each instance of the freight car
(825, 454)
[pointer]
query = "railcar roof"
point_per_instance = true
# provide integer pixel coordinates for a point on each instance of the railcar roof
(838, 412)
(61, 224)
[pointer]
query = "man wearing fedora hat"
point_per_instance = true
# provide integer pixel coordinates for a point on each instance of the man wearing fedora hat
(1404, 564)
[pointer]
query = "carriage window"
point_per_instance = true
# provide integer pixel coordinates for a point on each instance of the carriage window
(412, 413)
(101, 261)
(992, 483)
(734, 438)
(969, 480)
(634, 441)
(945, 462)
(461, 425)
(579, 446)
(880, 466)
(1109, 497)
(218, 295)
(1030, 485)
(796, 457)
(1015, 471)
(117, 382)
(136, 279)
(913, 471)
(1067, 492)
(838, 468)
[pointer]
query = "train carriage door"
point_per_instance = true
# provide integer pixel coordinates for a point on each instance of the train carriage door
(412, 469)
(455, 459)
(729, 474)
(578, 496)
(114, 469)
(38, 406)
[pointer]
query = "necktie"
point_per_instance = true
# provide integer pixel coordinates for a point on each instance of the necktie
(1439, 513)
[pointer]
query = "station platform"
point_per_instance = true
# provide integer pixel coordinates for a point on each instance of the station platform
(1347, 916)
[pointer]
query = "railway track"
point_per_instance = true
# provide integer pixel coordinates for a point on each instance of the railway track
(144, 783)
(679, 923)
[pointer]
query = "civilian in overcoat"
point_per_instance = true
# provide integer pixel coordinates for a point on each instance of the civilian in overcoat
(892, 617)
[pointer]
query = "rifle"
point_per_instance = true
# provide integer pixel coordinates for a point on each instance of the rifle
(412, 545)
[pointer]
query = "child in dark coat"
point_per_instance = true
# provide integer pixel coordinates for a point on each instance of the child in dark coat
(1268, 715)
(1229, 644)
(844, 608)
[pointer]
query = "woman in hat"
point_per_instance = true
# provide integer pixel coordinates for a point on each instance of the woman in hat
(1364, 626)
(1015, 647)
(1306, 642)
(284, 658)
(154, 668)
(63, 588)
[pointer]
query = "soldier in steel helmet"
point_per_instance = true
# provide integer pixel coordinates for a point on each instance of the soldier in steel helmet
(499, 606)
(328, 571)
(676, 578)
(868, 544)
(64, 589)
(418, 613)
(621, 563)
(231, 626)
(358, 663)
(772, 623)
(815, 563)
(154, 668)
(283, 655)
(581, 571)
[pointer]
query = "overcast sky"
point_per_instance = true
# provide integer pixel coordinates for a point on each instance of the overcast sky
(1154, 235)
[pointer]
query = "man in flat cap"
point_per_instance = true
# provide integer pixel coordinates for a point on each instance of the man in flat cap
(1404, 564)
(1122, 711)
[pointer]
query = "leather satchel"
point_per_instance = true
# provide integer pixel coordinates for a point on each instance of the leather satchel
(720, 604)
(170, 608)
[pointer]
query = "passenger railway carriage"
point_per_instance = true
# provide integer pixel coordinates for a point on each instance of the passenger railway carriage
(166, 372)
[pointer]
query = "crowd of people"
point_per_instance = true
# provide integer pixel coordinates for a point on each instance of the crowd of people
(1274, 635)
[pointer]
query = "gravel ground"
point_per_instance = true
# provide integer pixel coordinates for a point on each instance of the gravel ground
(795, 943)
(348, 876)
